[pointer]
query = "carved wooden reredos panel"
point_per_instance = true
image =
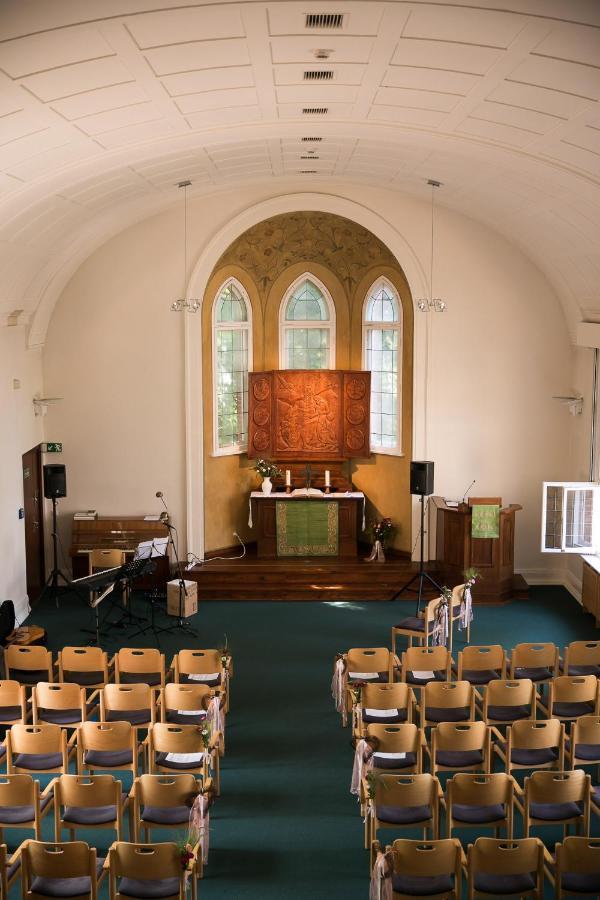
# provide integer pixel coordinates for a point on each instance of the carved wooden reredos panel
(299, 414)
(342, 246)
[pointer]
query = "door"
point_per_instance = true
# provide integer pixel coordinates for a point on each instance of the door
(33, 503)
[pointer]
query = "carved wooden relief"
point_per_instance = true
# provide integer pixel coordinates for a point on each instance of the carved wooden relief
(299, 414)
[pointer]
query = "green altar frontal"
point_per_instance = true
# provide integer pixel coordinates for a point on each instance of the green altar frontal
(307, 528)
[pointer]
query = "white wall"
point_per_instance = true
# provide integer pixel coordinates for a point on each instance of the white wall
(21, 431)
(115, 353)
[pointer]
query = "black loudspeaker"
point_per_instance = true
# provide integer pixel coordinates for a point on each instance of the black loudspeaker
(421, 477)
(55, 481)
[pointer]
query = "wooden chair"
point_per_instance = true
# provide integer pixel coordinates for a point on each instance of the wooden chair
(35, 749)
(396, 748)
(143, 870)
(504, 867)
(185, 704)
(506, 701)
(13, 703)
(538, 662)
(421, 665)
(583, 745)
(23, 804)
(403, 801)
(460, 746)
(164, 801)
(417, 628)
(88, 801)
(85, 666)
(28, 664)
(532, 744)
(134, 665)
(431, 869)
(10, 869)
(447, 701)
(59, 704)
(107, 747)
(582, 658)
(557, 798)
(369, 664)
(454, 612)
(480, 801)
(60, 870)
(385, 704)
(199, 667)
(572, 696)
(180, 748)
(577, 867)
(133, 703)
(480, 665)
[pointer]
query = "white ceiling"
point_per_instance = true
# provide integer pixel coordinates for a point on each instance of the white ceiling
(106, 104)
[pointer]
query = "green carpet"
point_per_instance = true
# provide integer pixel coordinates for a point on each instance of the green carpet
(286, 824)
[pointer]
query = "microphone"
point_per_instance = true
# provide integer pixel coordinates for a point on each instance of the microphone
(159, 494)
(161, 497)
(468, 489)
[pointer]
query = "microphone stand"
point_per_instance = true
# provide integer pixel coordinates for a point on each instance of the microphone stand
(421, 575)
(182, 624)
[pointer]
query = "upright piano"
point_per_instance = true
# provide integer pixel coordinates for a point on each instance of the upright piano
(122, 533)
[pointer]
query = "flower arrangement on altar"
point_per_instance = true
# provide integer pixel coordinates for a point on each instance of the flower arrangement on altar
(266, 468)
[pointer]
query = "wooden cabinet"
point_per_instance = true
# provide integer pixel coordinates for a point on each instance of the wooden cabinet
(590, 590)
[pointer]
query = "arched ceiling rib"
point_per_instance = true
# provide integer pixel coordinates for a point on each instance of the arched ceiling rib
(104, 105)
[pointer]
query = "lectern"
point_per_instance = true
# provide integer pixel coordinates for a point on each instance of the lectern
(494, 558)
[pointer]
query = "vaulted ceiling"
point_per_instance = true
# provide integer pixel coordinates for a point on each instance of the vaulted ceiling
(106, 104)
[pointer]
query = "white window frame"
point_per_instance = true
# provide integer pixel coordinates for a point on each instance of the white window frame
(573, 486)
(382, 281)
(235, 449)
(285, 324)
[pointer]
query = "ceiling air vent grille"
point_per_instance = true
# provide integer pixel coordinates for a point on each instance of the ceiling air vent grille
(311, 140)
(324, 20)
(308, 171)
(315, 111)
(310, 157)
(318, 75)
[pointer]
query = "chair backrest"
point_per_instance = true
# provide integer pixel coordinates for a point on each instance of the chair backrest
(585, 730)
(166, 790)
(166, 738)
(406, 790)
(582, 653)
(105, 735)
(491, 657)
(18, 790)
(367, 660)
(578, 854)
(41, 738)
(193, 697)
(494, 856)
(401, 738)
(87, 791)
(197, 662)
(558, 787)
(138, 661)
(12, 695)
(534, 656)
(460, 736)
(574, 689)
(393, 695)
(75, 660)
(125, 697)
(105, 559)
(426, 659)
(422, 858)
(47, 695)
(467, 789)
(510, 692)
(535, 734)
(145, 861)
(447, 695)
(74, 859)
(30, 658)
(458, 593)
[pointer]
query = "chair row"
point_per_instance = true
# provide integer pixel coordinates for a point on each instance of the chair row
(474, 746)
(132, 870)
(390, 801)
(98, 801)
(90, 667)
(113, 746)
(490, 867)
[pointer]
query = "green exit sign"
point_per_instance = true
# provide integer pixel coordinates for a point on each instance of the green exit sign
(52, 448)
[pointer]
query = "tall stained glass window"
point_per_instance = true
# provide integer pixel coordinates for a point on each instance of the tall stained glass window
(382, 356)
(232, 358)
(307, 327)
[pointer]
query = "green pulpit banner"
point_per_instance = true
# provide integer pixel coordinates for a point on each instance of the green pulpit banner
(306, 527)
(485, 521)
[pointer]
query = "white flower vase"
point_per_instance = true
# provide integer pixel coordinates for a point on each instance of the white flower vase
(267, 486)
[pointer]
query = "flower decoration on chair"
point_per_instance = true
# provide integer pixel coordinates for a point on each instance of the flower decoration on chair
(440, 629)
(466, 607)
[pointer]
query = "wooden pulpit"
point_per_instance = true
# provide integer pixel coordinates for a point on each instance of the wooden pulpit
(494, 558)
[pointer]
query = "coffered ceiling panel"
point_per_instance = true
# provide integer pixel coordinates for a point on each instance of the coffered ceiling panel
(106, 105)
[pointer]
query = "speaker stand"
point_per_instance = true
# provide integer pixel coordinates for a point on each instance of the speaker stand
(51, 588)
(421, 576)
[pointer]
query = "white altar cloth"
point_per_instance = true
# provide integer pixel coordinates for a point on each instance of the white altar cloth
(335, 495)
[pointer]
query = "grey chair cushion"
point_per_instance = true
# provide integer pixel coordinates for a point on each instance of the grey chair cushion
(60, 716)
(583, 670)
(38, 761)
(438, 675)
(537, 673)
(15, 815)
(509, 713)
(573, 710)
(458, 759)
(12, 869)
(400, 716)
(133, 716)
(176, 718)
(108, 758)
(29, 676)
(151, 678)
(403, 815)
(554, 812)
(504, 884)
(384, 763)
(148, 889)
(91, 815)
(213, 682)
(584, 882)
(422, 885)
(65, 887)
(528, 757)
(451, 714)
(380, 677)
(596, 794)
(478, 815)
(84, 679)
(165, 815)
(480, 676)
(161, 760)
(9, 713)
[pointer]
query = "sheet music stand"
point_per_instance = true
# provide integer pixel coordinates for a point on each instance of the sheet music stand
(145, 552)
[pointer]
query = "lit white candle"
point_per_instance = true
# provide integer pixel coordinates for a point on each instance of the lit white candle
(288, 478)
(327, 481)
